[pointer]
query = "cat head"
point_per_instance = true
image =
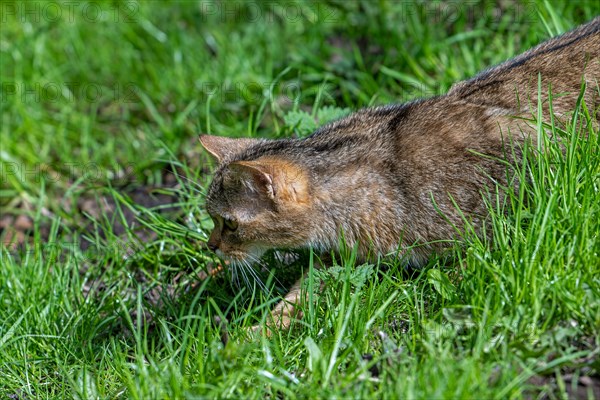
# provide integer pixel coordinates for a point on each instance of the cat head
(255, 204)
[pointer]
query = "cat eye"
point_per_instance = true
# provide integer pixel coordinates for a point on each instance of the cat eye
(230, 224)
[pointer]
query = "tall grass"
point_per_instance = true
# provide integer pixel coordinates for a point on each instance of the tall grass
(116, 302)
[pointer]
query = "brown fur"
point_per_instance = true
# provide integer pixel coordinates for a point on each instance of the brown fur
(390, 177)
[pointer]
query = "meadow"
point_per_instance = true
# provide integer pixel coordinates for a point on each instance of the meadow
(107, 289)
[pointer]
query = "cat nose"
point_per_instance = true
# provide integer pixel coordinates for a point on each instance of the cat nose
(213, 246)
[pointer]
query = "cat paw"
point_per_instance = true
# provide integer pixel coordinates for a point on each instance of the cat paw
(272, 326)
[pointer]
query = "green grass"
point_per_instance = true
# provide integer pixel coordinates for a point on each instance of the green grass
(114, 303)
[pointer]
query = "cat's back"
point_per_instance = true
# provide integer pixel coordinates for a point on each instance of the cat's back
(440, 136)
(365, 134)
(562, 62)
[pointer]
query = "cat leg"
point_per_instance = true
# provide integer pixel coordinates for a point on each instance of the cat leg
(285, 311)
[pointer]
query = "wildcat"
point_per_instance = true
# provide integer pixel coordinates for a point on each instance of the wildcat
(387, 178)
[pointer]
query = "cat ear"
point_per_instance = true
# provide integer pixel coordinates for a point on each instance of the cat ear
(277, 179)
(223, 147)
(255, 176)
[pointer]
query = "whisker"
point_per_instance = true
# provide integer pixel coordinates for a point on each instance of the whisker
(234, 274)
(262, 264)
(246, 280)
(256, 277)
(254, 260)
